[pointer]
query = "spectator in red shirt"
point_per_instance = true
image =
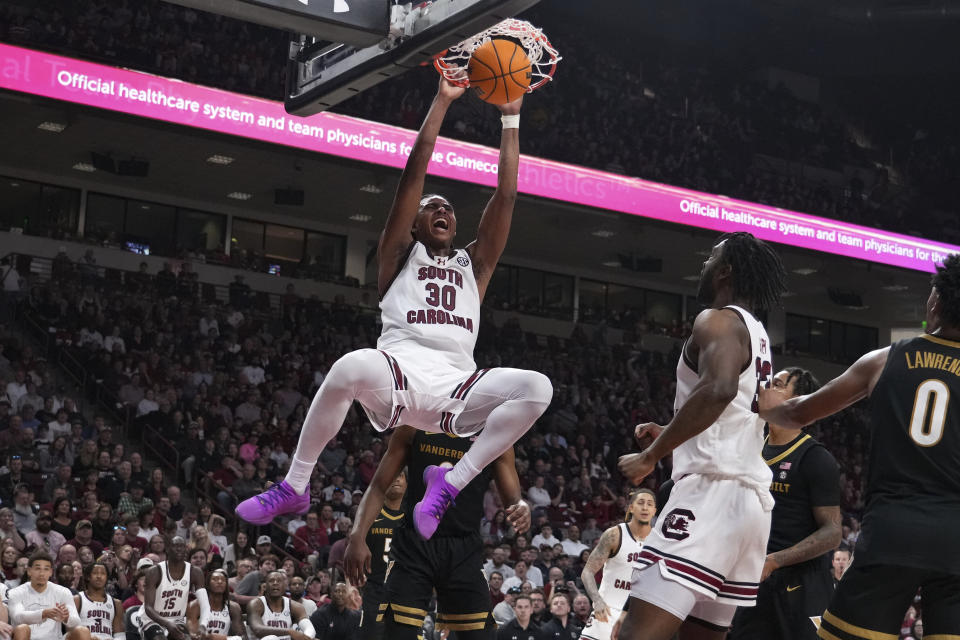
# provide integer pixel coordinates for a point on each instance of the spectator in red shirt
(310, 538)
(133, 538)
(367, 467)
(496, 583)
(84, 538)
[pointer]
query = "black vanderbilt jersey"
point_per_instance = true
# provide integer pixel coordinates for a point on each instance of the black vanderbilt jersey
(912, 510)
(379, 540)
(805, 475)
(464, 516)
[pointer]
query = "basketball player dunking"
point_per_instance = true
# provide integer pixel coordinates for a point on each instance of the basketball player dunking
(212, 616)
(705, 556)
(908, 540)
(615, 554)
(273, 616)
(422, 373)
(99, 612)
(165, 593)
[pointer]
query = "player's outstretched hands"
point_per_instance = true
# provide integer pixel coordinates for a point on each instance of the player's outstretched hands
(511, 108)
(356, 561)
(518, 515)
(769, 399)
(647, 430)
(636, 466)
(449, 91)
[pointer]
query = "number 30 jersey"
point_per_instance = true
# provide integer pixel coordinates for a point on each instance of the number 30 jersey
(732, 446)
(913, 480)
(431, 313)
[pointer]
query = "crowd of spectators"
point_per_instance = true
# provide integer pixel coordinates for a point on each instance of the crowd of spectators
(702, 124)
(221, 391)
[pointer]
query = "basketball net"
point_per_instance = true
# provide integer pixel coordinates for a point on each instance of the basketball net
(452, 63)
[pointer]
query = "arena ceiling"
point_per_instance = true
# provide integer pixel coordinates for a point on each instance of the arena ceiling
(545, 233)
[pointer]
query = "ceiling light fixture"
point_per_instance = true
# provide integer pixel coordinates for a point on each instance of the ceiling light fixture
(804, 271)
(603, 233)
(611, 263)
(371, 188)
(239, 195)
(52, 127)
(85, 167)
(692, 278)
(895, 287)
(361, 217)
(219, 159)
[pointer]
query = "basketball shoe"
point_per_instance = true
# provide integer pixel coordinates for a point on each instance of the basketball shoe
(278, 500)
(438, 497)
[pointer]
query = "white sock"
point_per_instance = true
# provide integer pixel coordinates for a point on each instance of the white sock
(355, 373)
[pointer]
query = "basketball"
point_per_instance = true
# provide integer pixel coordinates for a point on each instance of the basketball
(499, 71)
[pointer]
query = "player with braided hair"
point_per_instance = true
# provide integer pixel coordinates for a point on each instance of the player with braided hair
(908, 538)
(708, 548)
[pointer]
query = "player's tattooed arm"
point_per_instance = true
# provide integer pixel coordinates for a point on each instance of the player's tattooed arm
(495, 222)
(609, 542)
(406, 202)
(852, 385)
(825, 538)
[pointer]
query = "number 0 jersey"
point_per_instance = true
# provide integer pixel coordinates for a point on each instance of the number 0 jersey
(913, 481)
(432, 311)
(732, 446)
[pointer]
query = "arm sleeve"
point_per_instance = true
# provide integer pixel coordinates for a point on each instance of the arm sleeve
(822, 474)
(73, 619)
(20, 616)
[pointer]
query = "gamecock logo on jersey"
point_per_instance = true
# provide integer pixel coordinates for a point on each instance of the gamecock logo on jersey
(676, 524)
(463, 261)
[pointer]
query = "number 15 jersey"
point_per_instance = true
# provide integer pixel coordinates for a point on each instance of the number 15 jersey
(431, 314)
(913, 480)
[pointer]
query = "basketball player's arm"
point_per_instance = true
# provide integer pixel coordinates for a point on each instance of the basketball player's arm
(356, 559)
(825, 538)
(396, 236)
(609, 541)
(73, 616)
(236, 621)
(302, 627)
(724, 346)
(6, 629)
(150, 597)
(255, 620)
(495, 222)
(852, 385)
(508, 484)
(119, 628)
(193, 620)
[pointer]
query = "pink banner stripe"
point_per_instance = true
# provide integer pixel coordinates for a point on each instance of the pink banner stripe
(182, 103)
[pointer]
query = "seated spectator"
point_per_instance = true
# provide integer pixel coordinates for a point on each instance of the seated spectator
(544, 538)
(8, 530)
(498, 563)
(43, 538)
(84, 538)
(572, 546)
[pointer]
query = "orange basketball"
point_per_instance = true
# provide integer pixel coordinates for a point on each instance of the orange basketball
(499, 71)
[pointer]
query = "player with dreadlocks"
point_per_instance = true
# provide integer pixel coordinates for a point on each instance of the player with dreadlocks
(705, 556)
(912, 515)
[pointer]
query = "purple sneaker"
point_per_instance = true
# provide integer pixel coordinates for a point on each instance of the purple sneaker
(278, 500)
(438, 497)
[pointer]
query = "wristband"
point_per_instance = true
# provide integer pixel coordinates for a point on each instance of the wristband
(510, 122)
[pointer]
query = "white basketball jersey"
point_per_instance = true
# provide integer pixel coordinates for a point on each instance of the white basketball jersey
(213, 621)
(433, 305)
(172, 595)
(618, 569)
(281, 621)
(97, 616)
(732, 445)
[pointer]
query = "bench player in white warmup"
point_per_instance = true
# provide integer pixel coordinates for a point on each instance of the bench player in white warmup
(705, 556)
(212, 616)
(274, 616)
(39, 609)
(422, 373)
(165, 593)
(616, 552)
(99, 612)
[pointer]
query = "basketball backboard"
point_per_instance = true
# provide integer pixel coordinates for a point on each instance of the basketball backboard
(356, 22)
(322, 72)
